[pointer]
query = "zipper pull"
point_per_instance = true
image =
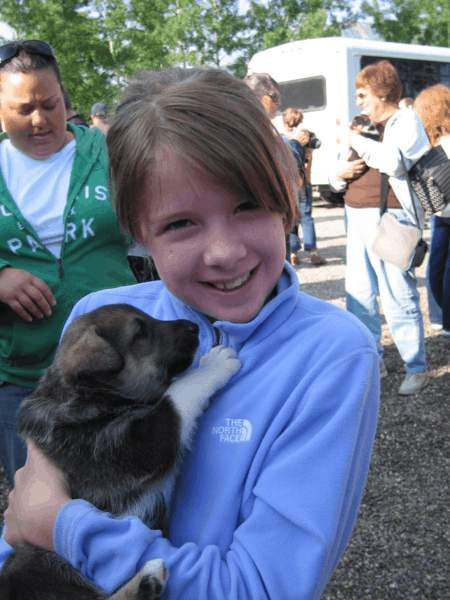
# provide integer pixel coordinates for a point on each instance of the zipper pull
(61, 272)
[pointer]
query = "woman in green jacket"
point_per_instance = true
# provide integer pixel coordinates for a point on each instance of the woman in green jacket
(59, 237)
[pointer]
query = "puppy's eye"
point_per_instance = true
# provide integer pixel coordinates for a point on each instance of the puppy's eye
(142, 331)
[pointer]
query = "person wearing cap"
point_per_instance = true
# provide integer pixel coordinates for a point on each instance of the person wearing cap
(99, 117)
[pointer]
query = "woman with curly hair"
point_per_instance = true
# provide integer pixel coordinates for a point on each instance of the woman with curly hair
(433, 107)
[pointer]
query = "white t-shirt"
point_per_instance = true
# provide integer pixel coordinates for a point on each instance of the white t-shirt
(40, 188)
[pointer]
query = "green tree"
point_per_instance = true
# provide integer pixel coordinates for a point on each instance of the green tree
(202, 32)
(281, 21)
(218, 31)
(410, 21)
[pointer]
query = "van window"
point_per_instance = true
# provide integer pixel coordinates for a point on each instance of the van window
(415, 75)
(304, 94)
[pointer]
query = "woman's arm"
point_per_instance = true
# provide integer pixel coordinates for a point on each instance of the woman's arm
(405, 136)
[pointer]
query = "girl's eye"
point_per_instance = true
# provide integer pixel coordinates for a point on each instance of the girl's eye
(181, 224)
(49, 107)
(248, 205)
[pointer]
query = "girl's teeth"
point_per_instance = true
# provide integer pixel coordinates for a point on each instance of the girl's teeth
(234, 284)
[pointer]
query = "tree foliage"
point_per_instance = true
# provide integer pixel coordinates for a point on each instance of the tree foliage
(280, 21)
(410, 21)
(99, 44)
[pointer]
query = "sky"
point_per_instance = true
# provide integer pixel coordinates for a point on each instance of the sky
(6, 32)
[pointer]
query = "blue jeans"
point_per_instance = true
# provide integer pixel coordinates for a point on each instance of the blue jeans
(294, 242)
(439, 267)
(367, 275)
(309, 232)
(13, 452)
(434, 310)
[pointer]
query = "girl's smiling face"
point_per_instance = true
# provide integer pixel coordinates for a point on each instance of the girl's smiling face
(218, 253)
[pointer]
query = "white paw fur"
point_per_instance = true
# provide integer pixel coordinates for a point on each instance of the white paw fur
(191, 392)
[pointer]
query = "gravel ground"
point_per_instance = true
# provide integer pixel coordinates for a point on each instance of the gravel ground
(400, 549)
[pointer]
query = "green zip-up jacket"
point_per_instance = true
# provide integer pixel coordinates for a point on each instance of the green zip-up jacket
(93, 257)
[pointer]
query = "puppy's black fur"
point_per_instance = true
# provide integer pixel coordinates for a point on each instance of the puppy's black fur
(366, 128)
(101, 415)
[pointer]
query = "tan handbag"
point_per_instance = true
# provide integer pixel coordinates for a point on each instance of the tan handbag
(396, 243)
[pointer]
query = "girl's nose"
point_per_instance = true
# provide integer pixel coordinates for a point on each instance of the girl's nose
(223, 249)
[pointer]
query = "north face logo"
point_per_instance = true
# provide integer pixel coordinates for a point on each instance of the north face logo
(234, 430)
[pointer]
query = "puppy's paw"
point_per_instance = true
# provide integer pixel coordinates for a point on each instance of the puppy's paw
(148, 584)
(154, 578)
(219, 365)
(218, 353)
(191, 392)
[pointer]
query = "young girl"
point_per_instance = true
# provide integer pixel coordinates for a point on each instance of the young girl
(267, 499)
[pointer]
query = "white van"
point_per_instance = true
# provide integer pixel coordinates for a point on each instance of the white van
(318, 77)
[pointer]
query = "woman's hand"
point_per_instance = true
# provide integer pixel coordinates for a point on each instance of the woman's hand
(350, 169)
(40, 490)
(302, 137)
(26, 294)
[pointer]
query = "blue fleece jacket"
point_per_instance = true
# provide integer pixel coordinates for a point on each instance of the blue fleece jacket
(268, 498)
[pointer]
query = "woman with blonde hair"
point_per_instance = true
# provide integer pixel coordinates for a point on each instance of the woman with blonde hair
(433, 107)
(378, 91)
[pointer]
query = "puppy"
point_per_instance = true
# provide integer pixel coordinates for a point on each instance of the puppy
(366, 128)
(107, 414)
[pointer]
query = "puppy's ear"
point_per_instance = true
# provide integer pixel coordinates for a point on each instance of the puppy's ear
(89, 355)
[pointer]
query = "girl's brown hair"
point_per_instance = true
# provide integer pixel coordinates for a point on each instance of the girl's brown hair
(292, 117)
(210, 120)
(433, 107)
(382, 79)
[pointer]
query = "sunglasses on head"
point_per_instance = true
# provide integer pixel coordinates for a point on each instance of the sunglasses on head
(31, 46)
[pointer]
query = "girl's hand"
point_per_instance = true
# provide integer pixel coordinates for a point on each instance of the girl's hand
(40, 490)
(25, 293)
